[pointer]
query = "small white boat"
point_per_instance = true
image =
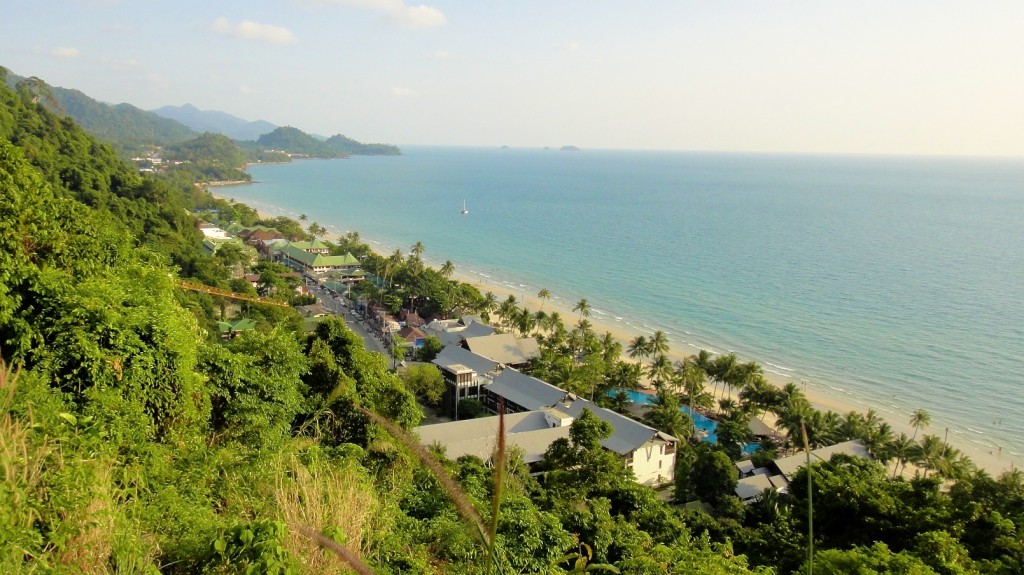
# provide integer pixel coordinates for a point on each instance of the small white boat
(464, 210)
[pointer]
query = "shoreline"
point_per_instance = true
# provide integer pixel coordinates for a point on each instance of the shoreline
(984, 457)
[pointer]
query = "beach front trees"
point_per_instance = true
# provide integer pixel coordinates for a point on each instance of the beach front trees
(901, 448)
(583, 307)
(690, 380)
(316, 230)
(660, 370)
(638, 348)
(543, 295)
(920, 418)
(664, 414)
(723, 371)
(658, 343)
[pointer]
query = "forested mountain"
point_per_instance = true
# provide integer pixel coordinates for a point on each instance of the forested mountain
(295, 141)
(123, 125)
(216, 122)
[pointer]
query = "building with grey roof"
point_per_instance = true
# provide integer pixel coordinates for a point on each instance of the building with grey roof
(464, 374)
(779, 472)
(503, 348)
(528, 431)
(456, 333)
(647, 451)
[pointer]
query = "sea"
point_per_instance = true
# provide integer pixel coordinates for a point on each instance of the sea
(895, 283)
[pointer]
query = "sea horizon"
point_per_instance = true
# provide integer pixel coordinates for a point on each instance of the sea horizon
(732, 253)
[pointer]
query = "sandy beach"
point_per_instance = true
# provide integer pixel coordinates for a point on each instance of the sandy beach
(993, 461)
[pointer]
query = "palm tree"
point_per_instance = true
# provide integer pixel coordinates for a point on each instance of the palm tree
(582, 306)
(722, 369)
(658, 343)
(446, 272)
(664, 415)
(315, 230)
(543, 295)
(691, 379)
(417, 250)
(929, 453)
(447, 269)
(302, 217)
(920, 418)
(619, 403)
(638, 348)
(488, 304)
(901, 448)
(611, 349)
(525, 321)
(660, 370)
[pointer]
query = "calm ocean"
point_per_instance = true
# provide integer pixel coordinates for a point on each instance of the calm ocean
(895, 282)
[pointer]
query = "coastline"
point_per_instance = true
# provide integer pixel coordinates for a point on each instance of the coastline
(818, 394)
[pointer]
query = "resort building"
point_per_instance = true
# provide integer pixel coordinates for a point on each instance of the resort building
(776, 475)
(465, 373)
(313, 259)
(504, 348)
(543, 413)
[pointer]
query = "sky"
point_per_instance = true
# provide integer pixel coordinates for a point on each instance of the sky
(934, 77)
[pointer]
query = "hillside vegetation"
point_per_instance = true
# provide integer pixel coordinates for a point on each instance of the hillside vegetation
(295, 141)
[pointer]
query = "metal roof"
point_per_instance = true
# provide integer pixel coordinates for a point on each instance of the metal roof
(502, 348)
(788, 465)
(455, 355)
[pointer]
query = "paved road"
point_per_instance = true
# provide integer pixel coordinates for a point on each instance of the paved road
(340, 307)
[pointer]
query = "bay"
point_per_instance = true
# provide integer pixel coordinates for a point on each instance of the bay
(890, 282)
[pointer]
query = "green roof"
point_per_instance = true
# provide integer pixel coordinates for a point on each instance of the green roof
(295, 252)
(313, 245)
(243, 324)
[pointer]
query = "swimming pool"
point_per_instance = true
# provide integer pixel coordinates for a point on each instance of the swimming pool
(705, 427)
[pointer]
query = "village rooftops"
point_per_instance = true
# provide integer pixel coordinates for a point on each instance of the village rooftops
(628, 434)
(534, 394)
(523, 390)
(454, 355)
(787, 466)
(529, 431)
(504, 348)
(457, 332)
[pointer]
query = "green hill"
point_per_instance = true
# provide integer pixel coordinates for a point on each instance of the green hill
(296, 142)
(122, 125)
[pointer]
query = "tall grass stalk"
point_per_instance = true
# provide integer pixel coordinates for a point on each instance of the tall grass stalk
(500, 461)
(357, 565)
(810, 502)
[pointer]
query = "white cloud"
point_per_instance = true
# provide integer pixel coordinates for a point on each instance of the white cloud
(65, 52)
(397, 11)
(441, 55)
(254, 31)
(122, 65)
(573, 46)
(401, 92)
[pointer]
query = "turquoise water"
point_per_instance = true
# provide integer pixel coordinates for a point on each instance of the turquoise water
(893, 283)
(705, 427)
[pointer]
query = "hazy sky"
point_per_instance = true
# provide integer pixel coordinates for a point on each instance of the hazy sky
(860, 76)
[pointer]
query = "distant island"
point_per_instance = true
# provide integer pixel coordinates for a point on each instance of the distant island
(569, 149)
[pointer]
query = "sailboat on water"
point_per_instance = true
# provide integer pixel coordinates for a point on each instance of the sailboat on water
(464, 211)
